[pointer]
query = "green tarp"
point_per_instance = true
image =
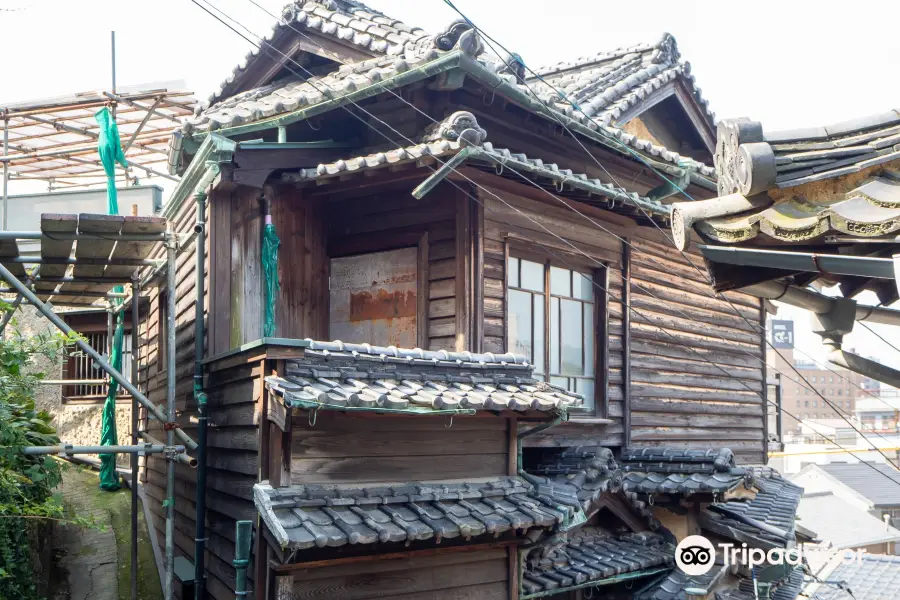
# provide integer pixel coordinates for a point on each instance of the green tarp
(270, 245)
(110, 149)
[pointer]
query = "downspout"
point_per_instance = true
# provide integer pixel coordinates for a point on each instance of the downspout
(832, 325)
(863, 366)
(243, 531)
(200, 397)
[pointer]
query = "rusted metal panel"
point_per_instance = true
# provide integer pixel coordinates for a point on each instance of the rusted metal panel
(373, 298)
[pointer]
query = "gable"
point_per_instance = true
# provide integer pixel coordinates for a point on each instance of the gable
(320, 35)
(672, 120)
(646, 89)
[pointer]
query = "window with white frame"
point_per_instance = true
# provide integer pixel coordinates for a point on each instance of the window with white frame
(550, 319)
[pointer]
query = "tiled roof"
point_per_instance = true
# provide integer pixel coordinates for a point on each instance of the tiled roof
(346, 21)
(875, 577)
(769, 516)
(872, 209)
(452, 140)
(681, 471)
(419, 54)
(841, 523)
(577, 476)
(813, 154)
(346, 376)
(592, 554)
(303, 516)
(675, 585)
(608, 84)
(750, 161)
(880, 489)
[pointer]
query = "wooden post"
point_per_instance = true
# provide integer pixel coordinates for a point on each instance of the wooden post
(513, 572)
(601, 342)
(284, 587)
(626, 345)
(463, 273)
(765, 379)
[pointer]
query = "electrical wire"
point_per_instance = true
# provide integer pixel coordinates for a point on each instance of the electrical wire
(753, 326)
(762, 395)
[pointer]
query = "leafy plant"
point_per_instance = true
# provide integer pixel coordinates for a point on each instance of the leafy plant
(26, 482)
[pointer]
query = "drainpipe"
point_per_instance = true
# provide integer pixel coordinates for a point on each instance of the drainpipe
(200, 397)
(819, 303)
(242, 536)
(832, 326)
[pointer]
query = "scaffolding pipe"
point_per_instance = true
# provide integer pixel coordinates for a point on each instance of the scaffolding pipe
(819, 303)
(5, 167)
(120, 237)
(47, 260)
(87, 349)
(65, 449)
(72, 293)
(135, 319)
(29, 279)
(73, 382)
(180, 457)
(243, 530)
(200, 397)
(171, 284)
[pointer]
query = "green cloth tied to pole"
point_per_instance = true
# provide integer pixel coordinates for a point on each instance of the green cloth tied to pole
(109, 146)
(270, 243)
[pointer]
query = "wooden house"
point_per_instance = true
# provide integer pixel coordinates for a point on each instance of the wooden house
(519, 345)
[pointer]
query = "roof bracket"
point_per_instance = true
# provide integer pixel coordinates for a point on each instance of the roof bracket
(671, 186)
(445, 170)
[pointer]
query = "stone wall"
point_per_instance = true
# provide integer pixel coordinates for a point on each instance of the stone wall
(75, 423)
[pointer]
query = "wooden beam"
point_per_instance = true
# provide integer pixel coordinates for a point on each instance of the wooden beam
(601, 341)
(463, 272)
(626, 345)
(348, 560)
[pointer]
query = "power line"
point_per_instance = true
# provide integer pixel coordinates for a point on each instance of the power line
(762, 359)
(876, 334)
(753, 326)
(608, 294)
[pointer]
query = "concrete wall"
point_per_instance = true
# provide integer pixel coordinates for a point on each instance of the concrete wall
(75, 423)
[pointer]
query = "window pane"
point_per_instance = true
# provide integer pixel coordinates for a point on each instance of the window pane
(539, 327)
(554, 335)
(562, 382)
(589, 335)
(519, 322)
(572, 338)
(585, 387)
(532, 276)
(560, 281)
(512, 272)
(584, 286)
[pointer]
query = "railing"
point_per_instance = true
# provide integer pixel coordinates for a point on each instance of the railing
(81, 368)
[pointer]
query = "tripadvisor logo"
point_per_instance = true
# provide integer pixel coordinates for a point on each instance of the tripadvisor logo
(695, 555)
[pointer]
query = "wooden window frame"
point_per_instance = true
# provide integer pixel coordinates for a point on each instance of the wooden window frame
(600, 339)
(96, 324)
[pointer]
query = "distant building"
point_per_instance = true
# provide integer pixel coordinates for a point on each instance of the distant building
(839, 386)
(846, 525)
(875, 487)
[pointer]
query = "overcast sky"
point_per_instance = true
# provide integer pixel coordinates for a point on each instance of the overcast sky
(789, 63)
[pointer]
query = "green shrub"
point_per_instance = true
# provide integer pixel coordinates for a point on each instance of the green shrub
(26, 482)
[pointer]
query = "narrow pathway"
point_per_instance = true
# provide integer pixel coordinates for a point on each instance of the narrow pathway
(92, 563)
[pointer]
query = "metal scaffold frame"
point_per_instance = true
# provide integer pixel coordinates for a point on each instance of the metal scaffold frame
(173, 452)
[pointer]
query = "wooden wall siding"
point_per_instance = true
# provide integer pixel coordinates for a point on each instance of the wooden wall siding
(506, 230)
(394, 219)
(476, 575)
(302, 304)
(367, 449)
(233, 442)
(677, 398)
